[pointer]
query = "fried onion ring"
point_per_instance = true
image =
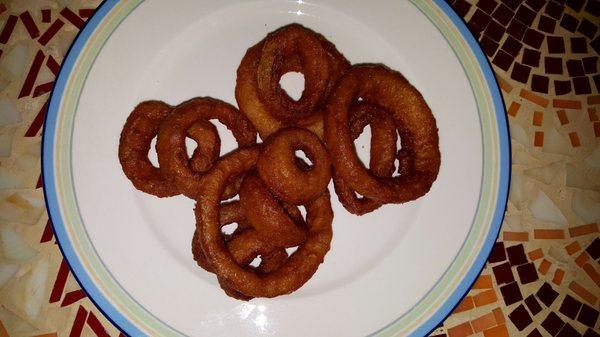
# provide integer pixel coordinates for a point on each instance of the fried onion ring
(140, 128)
(170, 145)
(382, 153)
(267, 216)
(290, 48)
(278, 167)
(416, 125)
(297, 269)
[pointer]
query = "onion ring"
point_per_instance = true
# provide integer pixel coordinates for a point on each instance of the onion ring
(382, 153)
(259, 94)
(140, 128)
(170, 145)
(296, 270)
(268, 216)
(416, 125)
(208, 145)
(278, 168)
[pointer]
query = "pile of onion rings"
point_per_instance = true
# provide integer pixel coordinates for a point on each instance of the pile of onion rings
(261, 245)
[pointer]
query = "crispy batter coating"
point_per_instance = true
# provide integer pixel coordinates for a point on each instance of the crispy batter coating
(290, 48)
(416, 125)
(278, 166)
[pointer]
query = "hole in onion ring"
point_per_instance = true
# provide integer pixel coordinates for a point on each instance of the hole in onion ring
(229, 228)
(302, 210)
(190, 146)
(228, 142)
(291, 250)
(152, 156)
(293, 84)
(364, 141)
(396, 172)
(256, 262)
(300, 154)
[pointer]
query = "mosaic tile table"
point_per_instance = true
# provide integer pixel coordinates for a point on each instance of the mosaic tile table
(543, 277)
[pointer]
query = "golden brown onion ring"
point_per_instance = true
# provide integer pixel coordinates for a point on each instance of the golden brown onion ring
(278, 166)
(416, 125)
(297, 269)
(170, 145)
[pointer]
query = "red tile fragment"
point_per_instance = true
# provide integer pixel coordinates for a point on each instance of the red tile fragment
(50, 32)
(59, 283)
(32, 74)
(30, 25)
(52, 65)
(86, 12)
(46, 15)
(72, 297)
(9, 26)
(96, 326)
(36, 125)
(78, 322)
(72, 17)
(48, 233)
(43, 89)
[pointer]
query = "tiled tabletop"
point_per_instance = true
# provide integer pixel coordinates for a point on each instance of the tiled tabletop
(543, 277)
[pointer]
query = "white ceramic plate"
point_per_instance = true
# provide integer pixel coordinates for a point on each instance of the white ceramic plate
(397, 271)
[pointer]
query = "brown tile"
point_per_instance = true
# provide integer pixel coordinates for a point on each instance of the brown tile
(547, 294)
(556, 44)
(570, 307)
(461, 7)
(554, 10)
(513, 4)
(520, 317)
(577, 5)
(489, 46)
(553, 65)
(540, 83)
(547, 24)
(503, 273)
(568, 331)
(503, 60)
(516, 29)
(536, 5)
(527, 273)
(516, 255)
(595, 44)
(579, 45)
(487, 6)
(587, 28)
(495, 31)
(511, 293)
(533, 38)
(503, 14)
(535, 333)
(593, 7)
(498, 253)
(531, 57)
(582, 85)
(533, 305)
(575, 68)
(552, 323)
(479, 21)
(525, 14)
(594, 249)
(590, 64)
(569, 23)
(512, 46)
(562, 87)
(588, 315)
